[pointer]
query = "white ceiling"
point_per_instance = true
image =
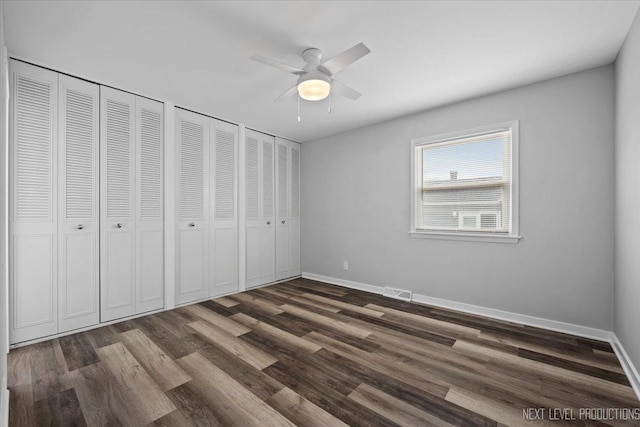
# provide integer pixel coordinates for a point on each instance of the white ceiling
(424, 54)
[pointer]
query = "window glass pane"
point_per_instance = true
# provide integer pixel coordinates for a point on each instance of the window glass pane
(465, 184)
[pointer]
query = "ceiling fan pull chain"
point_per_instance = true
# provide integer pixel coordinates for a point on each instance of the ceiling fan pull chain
(298, 109)
(330, 99)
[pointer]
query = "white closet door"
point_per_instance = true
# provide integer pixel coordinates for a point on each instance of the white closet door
(294, 213)
(260, 212)
(78, 214)
(253, 266)
(282, 209)
(33, 206)
(267, 211)
(192, 264)
(224, 182)
(149, 205)
(117, 155)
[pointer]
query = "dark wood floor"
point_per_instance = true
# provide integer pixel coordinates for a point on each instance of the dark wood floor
(310, 354)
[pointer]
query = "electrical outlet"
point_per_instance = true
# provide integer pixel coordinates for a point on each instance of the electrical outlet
(345, 266)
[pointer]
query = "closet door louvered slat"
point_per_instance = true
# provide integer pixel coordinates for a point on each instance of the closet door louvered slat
(149, 205)
(260, 217)
(117, 154)
(33, 213)
(224, 182)
(192, 264)
(78, 217)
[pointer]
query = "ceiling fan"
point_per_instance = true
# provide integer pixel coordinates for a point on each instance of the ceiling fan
(315, 81)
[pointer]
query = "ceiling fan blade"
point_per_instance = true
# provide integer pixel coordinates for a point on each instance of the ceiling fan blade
(278, 65)
(344, 90)
(344, 59)
(293, 89)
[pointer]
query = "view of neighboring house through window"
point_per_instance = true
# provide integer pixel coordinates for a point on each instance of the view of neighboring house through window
(463, 184)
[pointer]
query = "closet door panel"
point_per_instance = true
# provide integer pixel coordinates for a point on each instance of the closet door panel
(33, 202)
(282, 209)
(149, 205)
(78, 225)
(294, 215)
(253, 270)
(224, 218)
(192, 264)
(267, 211)
(117, 168)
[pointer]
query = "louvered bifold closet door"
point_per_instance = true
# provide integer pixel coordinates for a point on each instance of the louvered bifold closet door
(117, 188)
(192, 264)
(78, 207)
(260, 213)
(224, 230)
(294, 211)
(33, 202)
(282, 208)
(149, 205)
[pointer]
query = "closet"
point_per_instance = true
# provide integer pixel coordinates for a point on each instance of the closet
(272, 214)
(86, 205)
(131, 196)
(54, 203)
(206, 188)
(86, 219)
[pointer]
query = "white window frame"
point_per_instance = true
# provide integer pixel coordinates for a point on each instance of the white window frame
(512, 236)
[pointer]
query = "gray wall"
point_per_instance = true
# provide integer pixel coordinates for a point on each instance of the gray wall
(627, 286)
(356, 192)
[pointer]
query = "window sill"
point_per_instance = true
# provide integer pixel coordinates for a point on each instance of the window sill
(468, 237)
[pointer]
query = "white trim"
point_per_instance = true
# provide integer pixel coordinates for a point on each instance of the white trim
(627, 364)
(538, 322)
(4, 408)
(467, 237)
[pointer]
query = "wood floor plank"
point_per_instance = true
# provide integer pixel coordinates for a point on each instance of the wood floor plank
(78, 351)
(230, 400)
(60, 409)
(326, 321)
(278, 334)
(99, 399)
(224, 301)
(233, 345)
(222, 322)
(174, 419)
(257, 303)
(162, 369)
(195, 407)
(394, 409)
(254, 380)
(343, 305)
(302, 412)
(143, 397)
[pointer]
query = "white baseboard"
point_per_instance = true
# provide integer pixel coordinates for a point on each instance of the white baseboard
(523, 319)
(4, 408)
(627, 364)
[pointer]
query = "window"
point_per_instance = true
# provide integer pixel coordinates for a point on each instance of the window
(465, 185)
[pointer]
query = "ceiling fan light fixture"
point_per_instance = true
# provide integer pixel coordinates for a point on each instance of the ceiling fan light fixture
(314, 89)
